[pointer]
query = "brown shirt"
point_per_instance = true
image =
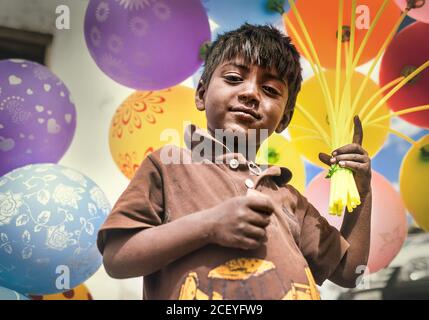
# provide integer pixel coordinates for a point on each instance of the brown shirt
(302, 249)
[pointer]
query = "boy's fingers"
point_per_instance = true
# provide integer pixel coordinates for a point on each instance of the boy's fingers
(325, 158)
(350, 148)
(354, 166)
(259, 220)
(352, 157)
(260, 202)
(358, 131)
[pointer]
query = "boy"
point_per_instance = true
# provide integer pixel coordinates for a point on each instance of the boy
(221, 227)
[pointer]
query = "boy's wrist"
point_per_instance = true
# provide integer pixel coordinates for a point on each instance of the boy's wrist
(203, 219)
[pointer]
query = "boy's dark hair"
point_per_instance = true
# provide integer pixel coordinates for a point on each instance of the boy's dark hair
(263, 45)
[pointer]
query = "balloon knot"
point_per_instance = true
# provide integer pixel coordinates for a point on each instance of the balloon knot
(204, 50)
(424, 152)
(273, 156)
(406, 71)
(276, 6)
(345, 34)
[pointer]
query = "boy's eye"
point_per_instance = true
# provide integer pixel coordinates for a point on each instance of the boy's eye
(271, 90)
(231, 78)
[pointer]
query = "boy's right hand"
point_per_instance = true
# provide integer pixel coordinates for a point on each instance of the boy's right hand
(240, 222)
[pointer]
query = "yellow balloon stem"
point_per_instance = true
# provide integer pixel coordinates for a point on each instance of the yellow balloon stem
(395, 89)
(377, 94)
(398, 113)
(314, 66)
(424, 153)
(369, 32)
(307, 37)
(377, 58)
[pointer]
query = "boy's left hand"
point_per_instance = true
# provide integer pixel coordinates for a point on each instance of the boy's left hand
(354, 157)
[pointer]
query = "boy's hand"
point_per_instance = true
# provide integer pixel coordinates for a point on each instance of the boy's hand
(354, 157)
(240, 222)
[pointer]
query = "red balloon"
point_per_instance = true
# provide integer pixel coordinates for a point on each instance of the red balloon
(388, 217)
(408, 51)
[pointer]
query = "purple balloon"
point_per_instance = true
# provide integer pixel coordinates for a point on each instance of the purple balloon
(146, 44)
(37, 117)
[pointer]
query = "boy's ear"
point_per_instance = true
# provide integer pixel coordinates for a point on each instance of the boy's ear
(287, 117)
(200, 95)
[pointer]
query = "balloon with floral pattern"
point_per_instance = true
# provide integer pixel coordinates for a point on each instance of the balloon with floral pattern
(7, 294)
(49, 219)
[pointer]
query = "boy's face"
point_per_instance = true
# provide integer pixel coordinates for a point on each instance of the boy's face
(240, 97)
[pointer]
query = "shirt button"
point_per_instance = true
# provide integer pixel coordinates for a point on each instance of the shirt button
(249, 183)
(233, 164)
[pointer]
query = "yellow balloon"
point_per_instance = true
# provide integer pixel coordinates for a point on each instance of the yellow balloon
(413, 180)
(281, 152)
(138, 123)
(311, 99)
(81, 292)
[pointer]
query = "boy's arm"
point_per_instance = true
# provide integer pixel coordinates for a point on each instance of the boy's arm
(238, 222)
(356, 227)
(356, 230)
(147, 250)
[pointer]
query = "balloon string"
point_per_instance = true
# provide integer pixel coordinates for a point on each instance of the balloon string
(368, 33)
(395, 89)
(376, 59)
(325, 87)
(310, 59)
(398, 113)
(395, 132)
(316, 125)
(345, 116)
(338, 56)
(378, 93)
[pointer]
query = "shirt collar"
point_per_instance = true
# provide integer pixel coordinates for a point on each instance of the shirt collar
(195, 136)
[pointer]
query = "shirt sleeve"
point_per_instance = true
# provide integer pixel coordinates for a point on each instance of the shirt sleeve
(140, 206)
(322, 245)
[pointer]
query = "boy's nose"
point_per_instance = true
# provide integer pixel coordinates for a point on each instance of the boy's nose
(249, 96)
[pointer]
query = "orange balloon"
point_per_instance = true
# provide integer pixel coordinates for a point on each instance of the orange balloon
(81, 292)
(321, 21)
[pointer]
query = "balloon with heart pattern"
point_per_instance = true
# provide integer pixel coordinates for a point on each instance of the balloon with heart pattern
(37, 115)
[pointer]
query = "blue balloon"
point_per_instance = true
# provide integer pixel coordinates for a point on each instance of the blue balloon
(49, 218)
(229, 15)
(7, 294)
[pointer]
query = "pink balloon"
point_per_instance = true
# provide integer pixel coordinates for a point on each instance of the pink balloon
(420, 14)
(388, 219)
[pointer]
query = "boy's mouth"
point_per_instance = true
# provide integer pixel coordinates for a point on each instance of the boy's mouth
(245, 112)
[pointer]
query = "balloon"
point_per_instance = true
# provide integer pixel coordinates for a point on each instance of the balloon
(136, 128)
(413, 178)
(49, 220)
(81, 292)
(408, 51)
(420, 13)
(388, 217)
(311, 98)
(229, 15)
(279, 151)
(146, 45)
(37, 115)
(388, 161)
(321, 21)
(7, 294)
